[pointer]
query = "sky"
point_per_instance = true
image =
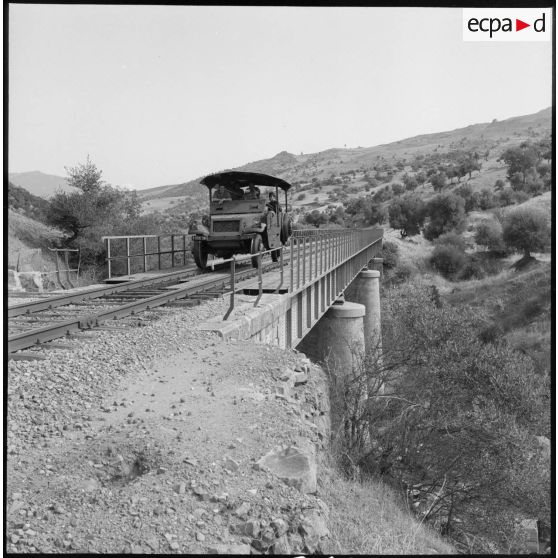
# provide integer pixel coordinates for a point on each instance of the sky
(160, 95)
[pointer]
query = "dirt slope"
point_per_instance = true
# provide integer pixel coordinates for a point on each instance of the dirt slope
(145, 440)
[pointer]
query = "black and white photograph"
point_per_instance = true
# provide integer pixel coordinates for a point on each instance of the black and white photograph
(279, 279)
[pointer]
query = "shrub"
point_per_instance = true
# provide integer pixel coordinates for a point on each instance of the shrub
(400, 274)
(451, 239)
(505, 197)
(472, 269)
(486, 200)
(520, 197)
(447, 260)
(462, 424)
(390, 254)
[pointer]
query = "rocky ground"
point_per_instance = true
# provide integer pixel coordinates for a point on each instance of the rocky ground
(151, 439)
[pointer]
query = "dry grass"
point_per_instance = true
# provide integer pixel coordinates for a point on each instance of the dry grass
(414, 251)
(367, 518)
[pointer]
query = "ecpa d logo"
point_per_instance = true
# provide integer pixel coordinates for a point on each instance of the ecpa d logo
(507, 24)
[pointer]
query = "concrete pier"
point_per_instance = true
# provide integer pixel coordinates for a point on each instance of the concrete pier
(365, 290)
(337, 338)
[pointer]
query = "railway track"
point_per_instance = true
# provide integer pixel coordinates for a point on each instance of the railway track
(39, 322)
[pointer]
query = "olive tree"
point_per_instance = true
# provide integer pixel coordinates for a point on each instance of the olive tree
(526, 230)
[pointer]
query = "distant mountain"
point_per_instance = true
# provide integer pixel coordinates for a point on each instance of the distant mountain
(39, 184)
(496, 135)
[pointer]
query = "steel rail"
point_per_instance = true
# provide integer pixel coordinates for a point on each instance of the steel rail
(36, 336)
(65, 299)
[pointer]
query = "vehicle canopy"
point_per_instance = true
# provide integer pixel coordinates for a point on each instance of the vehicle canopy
(240, 178)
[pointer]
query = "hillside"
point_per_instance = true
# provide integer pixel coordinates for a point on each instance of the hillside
(490, 138)
(39, 184)
(25, 203)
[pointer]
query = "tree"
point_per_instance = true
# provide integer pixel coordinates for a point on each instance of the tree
(374, 214)
(316, 218)
(489, 235)
(420, 177)
(446, 212)
(397, 189)
(94, 210)
(520, 160)
(411, 182)
(407, 214)
(471, 200)
(438, 181)
(526, 230)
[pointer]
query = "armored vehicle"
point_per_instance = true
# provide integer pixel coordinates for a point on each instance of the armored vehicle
(245, 217)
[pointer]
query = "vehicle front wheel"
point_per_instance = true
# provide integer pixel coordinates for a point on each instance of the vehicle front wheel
(200, 253)
(286, 229)
(255, 248)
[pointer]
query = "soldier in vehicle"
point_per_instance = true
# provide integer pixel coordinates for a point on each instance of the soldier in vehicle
(236, 191)
(273, 204)
(221, 193)
(253, 192)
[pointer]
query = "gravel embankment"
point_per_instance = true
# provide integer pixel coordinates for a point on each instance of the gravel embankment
(146, 440)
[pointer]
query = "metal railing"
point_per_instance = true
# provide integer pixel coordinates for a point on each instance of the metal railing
(136, 256)
(311, 254)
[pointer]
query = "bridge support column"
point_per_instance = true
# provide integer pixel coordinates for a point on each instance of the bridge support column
(365, 290)
(338, 341)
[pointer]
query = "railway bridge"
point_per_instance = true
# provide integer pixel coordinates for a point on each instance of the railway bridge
(294, 302)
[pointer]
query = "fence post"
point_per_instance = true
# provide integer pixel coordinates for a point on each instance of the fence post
(172, 250)
(128, 255)
(109, 261)
(291, 254)
(184, 249)
(231, 304)
(304, 261)
(159, 250)
(297, 262)
(260, 280)
(144, 254)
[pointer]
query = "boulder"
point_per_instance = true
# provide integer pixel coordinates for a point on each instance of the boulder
(296, 543)
(251, 528)
(280, 526)
(294, 466)
(282, 545)
(242, 510)
(313, 528)
(300, 378)
(544, 446)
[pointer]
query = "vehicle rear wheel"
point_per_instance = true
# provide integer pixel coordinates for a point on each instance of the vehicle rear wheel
(200, 252)
(257, 245)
